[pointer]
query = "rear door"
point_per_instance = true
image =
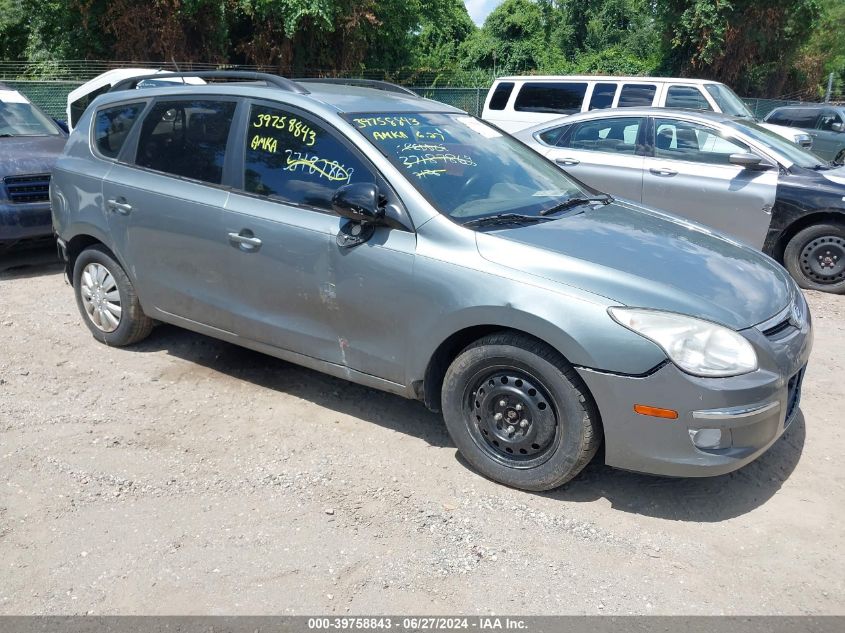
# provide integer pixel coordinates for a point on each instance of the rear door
(605, 153)
(690, 175)
(164, 204)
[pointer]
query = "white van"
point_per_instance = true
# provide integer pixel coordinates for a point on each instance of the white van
(79, 98)
(516, 103)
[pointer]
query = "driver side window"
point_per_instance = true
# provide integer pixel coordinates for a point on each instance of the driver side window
(294, 159)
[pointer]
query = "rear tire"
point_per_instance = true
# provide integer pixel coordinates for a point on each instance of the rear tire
(107, 299)
(815, 257)
(519, 413)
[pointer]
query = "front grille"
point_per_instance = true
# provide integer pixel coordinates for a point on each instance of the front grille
(793, 396)
(778, 328)
(21, 189)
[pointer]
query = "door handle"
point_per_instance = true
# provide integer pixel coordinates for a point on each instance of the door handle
(250, 242)
(663, 171)
(563, 162)
(121, 207)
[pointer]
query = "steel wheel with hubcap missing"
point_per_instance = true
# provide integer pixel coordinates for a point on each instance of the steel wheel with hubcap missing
(815, 257)
(101, 297)
(519, 413)
(509, 417)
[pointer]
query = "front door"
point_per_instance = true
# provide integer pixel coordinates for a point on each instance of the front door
(297, 289)
(691, 175)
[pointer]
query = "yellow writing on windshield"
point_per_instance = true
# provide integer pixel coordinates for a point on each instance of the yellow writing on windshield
(387, 135)
(267, 143)
(297, 128)
(385, 121)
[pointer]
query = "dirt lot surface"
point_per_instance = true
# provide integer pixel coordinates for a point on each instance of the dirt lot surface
(188, 476)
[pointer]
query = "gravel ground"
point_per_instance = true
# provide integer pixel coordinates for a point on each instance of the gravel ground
(188, 476)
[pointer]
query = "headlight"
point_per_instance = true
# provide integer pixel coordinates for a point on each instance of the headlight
(698, 347)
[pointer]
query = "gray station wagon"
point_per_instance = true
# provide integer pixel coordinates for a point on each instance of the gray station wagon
(404, 245)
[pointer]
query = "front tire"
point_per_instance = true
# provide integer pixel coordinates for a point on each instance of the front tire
(107, 299)
(815, 257)
(519, 413)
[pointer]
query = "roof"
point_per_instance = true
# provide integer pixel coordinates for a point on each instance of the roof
(629, 78)
(337, 98)
(113, 76)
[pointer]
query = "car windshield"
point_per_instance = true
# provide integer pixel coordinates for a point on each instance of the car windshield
(784, 147)
(466, 168)
(728, 101)
(20, 118)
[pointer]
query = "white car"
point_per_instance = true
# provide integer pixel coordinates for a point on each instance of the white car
(81, 97)
(516, 103)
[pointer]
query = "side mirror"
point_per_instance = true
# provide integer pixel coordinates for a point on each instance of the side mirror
(358, 202)
(838, 127)
(748, 161)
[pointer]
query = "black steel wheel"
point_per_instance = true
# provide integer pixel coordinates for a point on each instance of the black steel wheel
(815, 257)
(519, 413)
(509, 416)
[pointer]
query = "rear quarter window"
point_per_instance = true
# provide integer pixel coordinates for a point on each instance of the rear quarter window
(562, 98)
(501, 95)
(113, 125)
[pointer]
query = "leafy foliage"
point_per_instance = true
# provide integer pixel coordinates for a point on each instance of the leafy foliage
(763, 47)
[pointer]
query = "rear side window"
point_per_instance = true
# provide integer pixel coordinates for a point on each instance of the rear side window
(779, 117)
(795, 117)
(296, 160)
(636, 95)
(602, 96)
(501, 95)
(616, 136)
(112, 126)
(551, 137)
(686, 98)
(563, 98)
(186, 138)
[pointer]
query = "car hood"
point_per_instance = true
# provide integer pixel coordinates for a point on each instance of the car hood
(836, 176)
(20, 155)
(784, 131)
(644, 258)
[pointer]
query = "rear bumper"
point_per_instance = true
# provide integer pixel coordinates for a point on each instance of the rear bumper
(723, 423)
(25, 221)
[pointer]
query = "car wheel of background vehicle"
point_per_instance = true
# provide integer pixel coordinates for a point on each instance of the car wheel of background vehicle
(107, 300)
(815, 257)
(519, 413)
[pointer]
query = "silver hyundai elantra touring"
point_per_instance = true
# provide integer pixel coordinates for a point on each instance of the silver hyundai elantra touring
(404, 245)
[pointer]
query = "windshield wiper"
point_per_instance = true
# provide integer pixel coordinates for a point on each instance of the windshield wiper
(504, 218)
(576, 202)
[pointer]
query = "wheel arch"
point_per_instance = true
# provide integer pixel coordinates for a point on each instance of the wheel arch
(835, 216)
(86, 237)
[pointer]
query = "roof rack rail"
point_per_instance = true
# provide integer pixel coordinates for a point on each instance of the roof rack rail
(377, 84)
(271, 80)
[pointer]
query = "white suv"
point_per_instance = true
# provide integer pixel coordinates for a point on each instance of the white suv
(515, 103)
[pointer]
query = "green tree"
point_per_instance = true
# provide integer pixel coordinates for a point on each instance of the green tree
(751, 45)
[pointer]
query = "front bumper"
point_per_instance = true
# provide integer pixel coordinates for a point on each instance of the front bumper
(723, 423)
(25, 221)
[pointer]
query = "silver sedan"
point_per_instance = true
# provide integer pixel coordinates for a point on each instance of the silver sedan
(729, 174)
